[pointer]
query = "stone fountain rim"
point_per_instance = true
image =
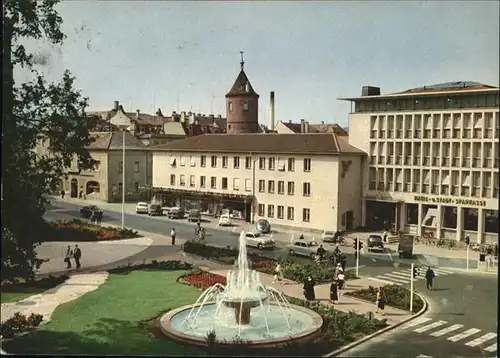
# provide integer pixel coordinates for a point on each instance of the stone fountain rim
(170, 332)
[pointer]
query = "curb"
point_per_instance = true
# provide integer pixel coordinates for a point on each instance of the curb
(379, 332)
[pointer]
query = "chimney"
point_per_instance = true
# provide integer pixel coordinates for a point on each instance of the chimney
(137, 112)
(211, 116)
(116, 104)
(158, 113)
(290, 121)
(370, 91)
(322, 123)
(302, 125)
(271, 111)
(219, 116)
(306, 127)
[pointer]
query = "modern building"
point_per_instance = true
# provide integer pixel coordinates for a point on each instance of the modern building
(305, 181)
(433, 159)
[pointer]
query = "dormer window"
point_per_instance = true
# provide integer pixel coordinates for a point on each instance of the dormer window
(230, 106)
(245, 106)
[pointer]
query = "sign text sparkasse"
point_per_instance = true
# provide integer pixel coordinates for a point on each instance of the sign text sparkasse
(452, 201)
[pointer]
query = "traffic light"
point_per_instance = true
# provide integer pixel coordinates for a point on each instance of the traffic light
(467, 240)
(415, 273)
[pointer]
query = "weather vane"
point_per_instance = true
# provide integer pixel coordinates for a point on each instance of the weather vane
(242, 63)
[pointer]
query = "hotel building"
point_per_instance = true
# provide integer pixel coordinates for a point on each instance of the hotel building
(433, 159)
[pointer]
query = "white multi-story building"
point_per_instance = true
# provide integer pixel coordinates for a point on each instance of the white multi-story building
(306, 181)
(433, 159)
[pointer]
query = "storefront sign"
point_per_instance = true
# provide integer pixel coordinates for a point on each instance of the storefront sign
(450, 201)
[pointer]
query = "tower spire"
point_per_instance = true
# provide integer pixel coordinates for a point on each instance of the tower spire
(242, 63)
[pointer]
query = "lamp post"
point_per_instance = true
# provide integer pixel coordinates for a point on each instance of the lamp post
(253, 186)
(124, 129)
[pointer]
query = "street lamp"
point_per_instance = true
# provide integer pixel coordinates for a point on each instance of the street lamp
(254, 160)
(124, 130)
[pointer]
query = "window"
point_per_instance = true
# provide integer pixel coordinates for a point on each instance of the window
(270, 211)
(120, 168)
(307, 189)
(291, 164)
(248, 185)
(271, 163)
(281, 212)
(281, 187)
(245, 106)
(224, 161)
(270, 186)
(236, 184)
(262, 210)
(203, 181)
(248, 162)
(192, 180)
(262, 163)
(97, 165)
(203, 162)
(213, 182)
(306, 215)
(372, 178)
(192, 161)
(182, 180)
(172, 179)
(281, 165)
(289, 213)
(136, 167)
(230, 106)
(236, 162)
(136, 186)
(291, 188)
(213, 161)
(182, 161)
(307, 164)
(224, 183)
(262, 186)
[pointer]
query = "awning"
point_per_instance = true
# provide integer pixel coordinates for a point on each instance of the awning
(204, 194)
(385, 200)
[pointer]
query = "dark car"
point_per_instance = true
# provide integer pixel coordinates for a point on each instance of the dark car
(86, 211)
(155, 209)
(375, 243)
(176, 213)
(263, 226)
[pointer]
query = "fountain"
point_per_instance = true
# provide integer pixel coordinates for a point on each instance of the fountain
(244, 309)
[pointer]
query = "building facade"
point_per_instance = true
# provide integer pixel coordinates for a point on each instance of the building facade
(433, 159)
(306, 181)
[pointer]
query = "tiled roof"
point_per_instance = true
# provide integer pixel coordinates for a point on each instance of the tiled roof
(239, 86)
(317, 128)
(114, 141)
(310, 143)
(449, 86)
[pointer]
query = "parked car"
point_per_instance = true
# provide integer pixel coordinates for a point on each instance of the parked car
(263, 226)
(303, 247)
(176, 213)
(328, 236)
(375, 243)
(255, 239)
(86, 211)
(141, 208)
(155, 209)
(225, 220)
(194, 215)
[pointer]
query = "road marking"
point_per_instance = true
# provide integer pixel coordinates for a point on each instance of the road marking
(401, 275)
(447, 330)
(379, 279)
(416, 322)
(481, 340)
(429, 326)
(492, 348)
(463, 335)
(396, 277)
(390, 279)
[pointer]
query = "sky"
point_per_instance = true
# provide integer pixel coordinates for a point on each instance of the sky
(186, 55)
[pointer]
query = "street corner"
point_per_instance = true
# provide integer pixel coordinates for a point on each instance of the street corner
(407, 320)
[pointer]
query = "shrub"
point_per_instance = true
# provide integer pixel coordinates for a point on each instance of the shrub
(395, 295)
(170, 265)
(78, 230)
(19, 323)
(45, 283)
(35, 319)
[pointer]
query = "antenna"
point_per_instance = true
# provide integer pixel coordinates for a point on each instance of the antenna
(242, 63)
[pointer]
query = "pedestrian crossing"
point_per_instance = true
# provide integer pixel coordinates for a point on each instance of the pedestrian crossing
(472, 337)
(403, 276)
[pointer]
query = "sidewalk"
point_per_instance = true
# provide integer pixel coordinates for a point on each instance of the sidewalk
(345, 303)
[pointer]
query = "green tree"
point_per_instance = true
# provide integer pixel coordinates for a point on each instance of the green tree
(32, 112)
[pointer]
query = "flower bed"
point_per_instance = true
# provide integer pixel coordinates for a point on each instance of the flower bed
(395, 296)
(78, 230)
(170, 265)
(202, 279)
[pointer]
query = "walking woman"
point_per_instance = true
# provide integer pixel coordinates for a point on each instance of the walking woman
(380, 301)
(334, 295)
(309, 289)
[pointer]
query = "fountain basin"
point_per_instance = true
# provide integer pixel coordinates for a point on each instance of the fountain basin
(304, 324)
(242, 308)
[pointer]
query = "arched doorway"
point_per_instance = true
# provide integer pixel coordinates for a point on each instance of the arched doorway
(74, 188)
(92, 187)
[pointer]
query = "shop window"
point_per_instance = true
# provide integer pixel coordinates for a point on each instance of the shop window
(470, 219)
(412, 214)
(491, 221)
(450, 217)
(429, 215)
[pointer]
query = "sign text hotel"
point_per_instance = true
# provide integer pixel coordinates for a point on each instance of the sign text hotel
(452, 201)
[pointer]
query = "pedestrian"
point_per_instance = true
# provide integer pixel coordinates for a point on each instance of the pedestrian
(93, 216)
(380, 301)
(309, 289)
(80, 195)
(301, 237)
(343, 261)
(67, 258)
(341, 280)
(278, 275)
(495, 249)
(77, 254)
(334, 295)
(62, 193)
(99, 217)
(172, 235)
(429, 277)
(337, 270)
(385, 236)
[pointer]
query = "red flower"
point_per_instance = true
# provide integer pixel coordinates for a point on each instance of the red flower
(204, 280)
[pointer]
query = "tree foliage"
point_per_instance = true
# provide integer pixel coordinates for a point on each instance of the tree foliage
(33, 113)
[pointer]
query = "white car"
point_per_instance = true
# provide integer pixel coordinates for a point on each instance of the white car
(225, 220)
(255, 239)
(141, 208)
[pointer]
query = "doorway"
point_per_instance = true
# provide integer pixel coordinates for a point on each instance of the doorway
(74, 188)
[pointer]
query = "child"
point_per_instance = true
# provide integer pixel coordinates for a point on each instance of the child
(277, 274)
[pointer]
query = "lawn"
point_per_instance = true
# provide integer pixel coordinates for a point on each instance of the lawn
(6, 297)
(14, 292)
(106, 321)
